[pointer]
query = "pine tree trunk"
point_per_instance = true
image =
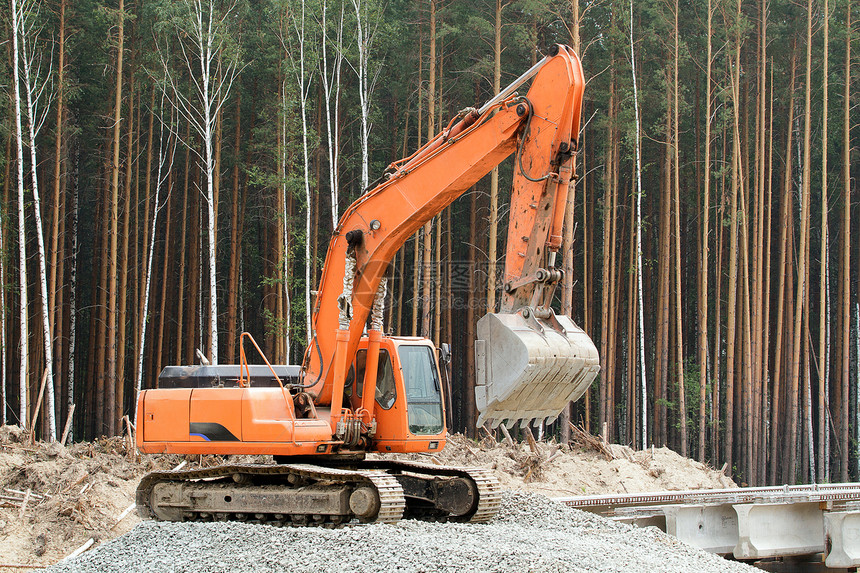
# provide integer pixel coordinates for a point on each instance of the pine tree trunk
(705, 240)
(612, 337)
(785, 222)
(731, 313)
(100, 341)
(111, 341)
(767, 431)
(608, 194)
(56, 244)
(416, 254)
(567, 240)
(161, 342)
(823, 309)
(124, 259)
(235, 239)
(679, 327)
(760, 278)
(427, 279)
(180, 292)
(846, 244)
(802, 270)
(494, 174)
(661, 369)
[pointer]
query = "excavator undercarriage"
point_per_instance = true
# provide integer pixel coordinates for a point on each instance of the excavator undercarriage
(379, 491)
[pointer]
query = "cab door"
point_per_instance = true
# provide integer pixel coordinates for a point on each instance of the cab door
(409, 411)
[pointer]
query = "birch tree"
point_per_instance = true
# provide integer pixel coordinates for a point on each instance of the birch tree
(70, 397)
(210, 58)
(38, 91)
(331, 90)
(703, 272)
(365, 33)
(494, 174)
(165, 159)
(639, 238)
(296, 44)
(24, 352)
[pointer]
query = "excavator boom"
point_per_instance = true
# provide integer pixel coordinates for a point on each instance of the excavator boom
(556, 360)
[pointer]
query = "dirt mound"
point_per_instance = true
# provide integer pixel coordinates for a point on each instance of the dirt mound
(84, 491)
(72, 494)
(581, 468)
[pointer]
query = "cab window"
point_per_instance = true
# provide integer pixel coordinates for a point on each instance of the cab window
(386, 392)
(423, 397)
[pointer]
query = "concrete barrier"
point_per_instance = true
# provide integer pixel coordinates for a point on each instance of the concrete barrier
(658, 521)
(778, 529)
(713, 528)
(842, 531)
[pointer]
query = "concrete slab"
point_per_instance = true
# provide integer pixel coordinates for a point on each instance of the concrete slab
(842, 531)
(658, 521)
(713, 528)
(778, 529)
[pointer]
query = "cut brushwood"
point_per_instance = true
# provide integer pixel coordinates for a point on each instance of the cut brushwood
(69, 419)
(532, 443)
(24, 504)
(87, 544)
(123, 515)
(507, 434)
(579, 437)
(38, 406)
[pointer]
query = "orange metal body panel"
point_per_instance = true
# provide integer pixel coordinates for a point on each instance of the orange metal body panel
(233, 448)
(163, 416)
(537, 207)
(260, 421)
(411, 446)
(250, 421)
(265, 419)
(216, 406)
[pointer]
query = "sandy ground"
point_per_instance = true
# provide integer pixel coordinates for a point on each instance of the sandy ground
(82, 492)
(555, 470)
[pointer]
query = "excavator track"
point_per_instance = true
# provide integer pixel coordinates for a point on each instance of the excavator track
(485, 488)
(299, 494)
(290, 494)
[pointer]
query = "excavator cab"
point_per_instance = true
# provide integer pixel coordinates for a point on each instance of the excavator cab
(409, 411)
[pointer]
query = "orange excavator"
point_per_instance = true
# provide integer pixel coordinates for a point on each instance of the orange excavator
(360, 391)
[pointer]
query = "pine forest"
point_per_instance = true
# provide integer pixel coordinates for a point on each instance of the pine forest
(172, 171)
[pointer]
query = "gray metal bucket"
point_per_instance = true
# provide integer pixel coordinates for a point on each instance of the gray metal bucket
(528, 368)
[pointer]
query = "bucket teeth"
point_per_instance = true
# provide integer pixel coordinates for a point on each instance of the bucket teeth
(529, 370)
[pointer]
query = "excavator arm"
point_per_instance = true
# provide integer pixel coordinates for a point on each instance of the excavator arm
(541, 128)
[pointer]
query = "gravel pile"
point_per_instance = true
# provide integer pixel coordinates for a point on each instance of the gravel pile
(530, 533)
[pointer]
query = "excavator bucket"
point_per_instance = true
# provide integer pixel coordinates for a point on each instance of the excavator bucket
(529, 368)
